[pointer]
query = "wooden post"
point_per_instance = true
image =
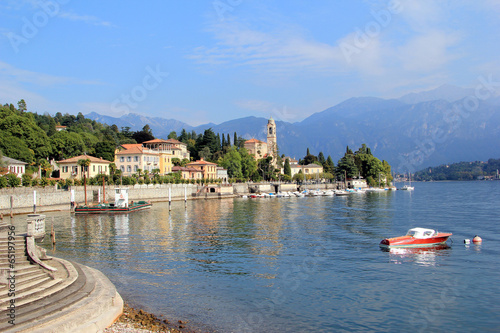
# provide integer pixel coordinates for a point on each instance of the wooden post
(185, 197)
(170, 198)
(53, 233)
(85, 187)
(11, 206)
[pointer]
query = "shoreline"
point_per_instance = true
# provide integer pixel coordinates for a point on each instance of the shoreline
(135, 320)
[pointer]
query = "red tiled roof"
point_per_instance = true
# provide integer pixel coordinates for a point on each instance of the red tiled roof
(83, 157)
(201, 162)
(254, 141)
(174, 141)
(156, 141)
(130, 148)
(178, 168)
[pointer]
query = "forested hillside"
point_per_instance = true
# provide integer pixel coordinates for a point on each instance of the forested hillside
(460, 171)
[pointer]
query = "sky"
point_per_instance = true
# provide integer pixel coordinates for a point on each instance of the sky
(217, 60)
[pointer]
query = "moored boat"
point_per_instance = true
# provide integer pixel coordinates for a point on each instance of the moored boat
(417, 237)
(121, 205)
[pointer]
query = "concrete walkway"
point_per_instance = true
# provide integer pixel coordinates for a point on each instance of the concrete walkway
(74, 298)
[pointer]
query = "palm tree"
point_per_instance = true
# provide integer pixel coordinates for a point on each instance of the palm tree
(84, 164)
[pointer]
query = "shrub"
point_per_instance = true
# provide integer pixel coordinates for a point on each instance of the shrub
(26, 180)
(3, 182)
(68, 182)
(44, 182)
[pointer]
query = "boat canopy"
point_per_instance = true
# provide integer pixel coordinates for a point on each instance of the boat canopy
(421, 232)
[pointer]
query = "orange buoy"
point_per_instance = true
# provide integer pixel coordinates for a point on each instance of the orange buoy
(477, 239)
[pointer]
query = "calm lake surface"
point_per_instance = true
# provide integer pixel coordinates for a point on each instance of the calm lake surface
(302, 264)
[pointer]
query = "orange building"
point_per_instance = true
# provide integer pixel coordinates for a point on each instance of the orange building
(209, 169)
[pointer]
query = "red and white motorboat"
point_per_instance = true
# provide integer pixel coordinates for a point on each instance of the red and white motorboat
(417, 237)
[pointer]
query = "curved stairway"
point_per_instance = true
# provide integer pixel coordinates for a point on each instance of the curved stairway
(74, 298)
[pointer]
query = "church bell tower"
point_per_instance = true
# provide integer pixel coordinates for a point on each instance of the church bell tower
(272, 145)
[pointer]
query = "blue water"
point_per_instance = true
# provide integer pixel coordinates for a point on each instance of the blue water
(303, 264)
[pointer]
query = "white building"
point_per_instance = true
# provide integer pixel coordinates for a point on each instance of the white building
(14, 166)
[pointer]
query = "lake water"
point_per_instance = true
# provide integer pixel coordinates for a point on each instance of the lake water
(302, 264)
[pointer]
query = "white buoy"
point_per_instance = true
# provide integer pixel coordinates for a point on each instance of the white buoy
(466, 241)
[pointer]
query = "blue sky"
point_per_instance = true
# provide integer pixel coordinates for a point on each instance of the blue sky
(212, 61)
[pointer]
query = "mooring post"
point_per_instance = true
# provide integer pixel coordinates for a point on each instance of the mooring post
(11, 206)
(170, 198)
(53, 233)
(185, 197)
(34, 202)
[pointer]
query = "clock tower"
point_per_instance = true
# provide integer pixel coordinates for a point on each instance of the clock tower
(272, 145)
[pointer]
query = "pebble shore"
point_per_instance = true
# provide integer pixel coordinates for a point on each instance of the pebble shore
(140, 321)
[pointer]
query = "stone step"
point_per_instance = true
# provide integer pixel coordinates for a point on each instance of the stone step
(53, 303)
(23, 287)
(19, 261)
(92, 313)
(54, 291)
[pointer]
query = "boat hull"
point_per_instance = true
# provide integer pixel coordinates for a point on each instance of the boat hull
(409, 241)
(107, 209)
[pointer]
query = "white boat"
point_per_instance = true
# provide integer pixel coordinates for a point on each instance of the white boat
(341, 193)
(408, 187)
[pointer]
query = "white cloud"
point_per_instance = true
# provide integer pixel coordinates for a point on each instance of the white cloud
(275, 51)
(88, 19)
(428, 52)
(10, 73)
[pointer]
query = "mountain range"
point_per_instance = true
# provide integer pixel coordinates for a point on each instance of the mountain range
(444, 125)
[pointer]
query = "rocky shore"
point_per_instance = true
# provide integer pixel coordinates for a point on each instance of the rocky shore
(139, 321)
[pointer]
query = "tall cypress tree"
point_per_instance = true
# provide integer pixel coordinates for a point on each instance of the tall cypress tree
(228, 140)
(287, 169)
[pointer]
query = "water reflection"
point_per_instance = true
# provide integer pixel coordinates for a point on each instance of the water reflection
(423, 256)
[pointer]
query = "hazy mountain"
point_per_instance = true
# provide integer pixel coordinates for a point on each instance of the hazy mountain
(136, 122)
(447, 92)
(406, 134)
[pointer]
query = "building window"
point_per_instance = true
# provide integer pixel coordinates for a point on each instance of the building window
(136, 158)
(135, 168)
(129, 158)
(122, 159)
(93, 168)
(122, 168)
(129, 168)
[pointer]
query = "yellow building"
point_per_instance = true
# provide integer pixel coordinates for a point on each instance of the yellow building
(256, 148)
(129, 158)
(209, 169)
(311, 169)
(69, 168)
(166, 151)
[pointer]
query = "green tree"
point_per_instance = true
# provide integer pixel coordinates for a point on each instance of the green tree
(106, 150)
(232, 162)
(16, 148)
(12, 180)
(172, 135)
(205, 153)
(287, 170)
(66, 145)
(24, 127)
(329, 166)
(248, 164)
(21, 106)
(346, 166)
(321, 158)
(145, 135)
